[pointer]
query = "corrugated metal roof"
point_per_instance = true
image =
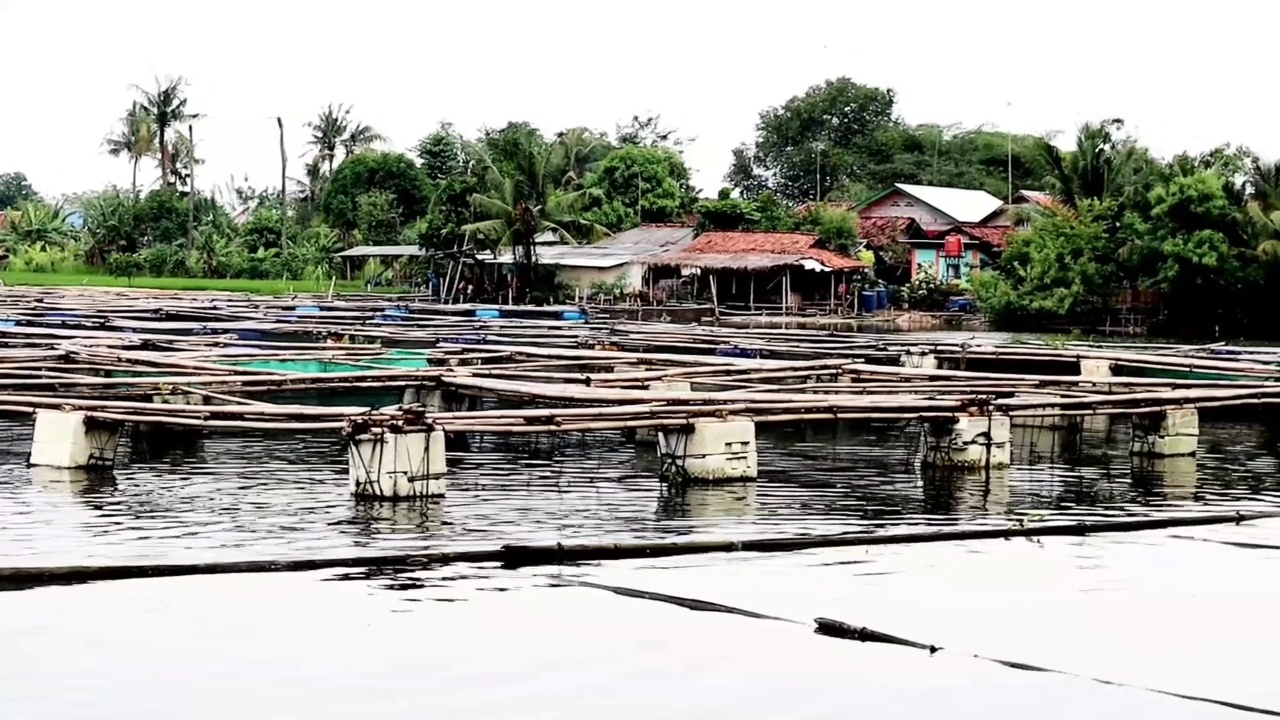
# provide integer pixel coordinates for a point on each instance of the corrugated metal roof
(965, 206)
(382, 251)
(651, 238)
(625, 247)
(572, 256)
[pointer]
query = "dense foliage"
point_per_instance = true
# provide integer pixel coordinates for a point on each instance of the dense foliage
(1195, 238)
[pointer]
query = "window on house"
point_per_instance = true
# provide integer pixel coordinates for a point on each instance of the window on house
(953, 271)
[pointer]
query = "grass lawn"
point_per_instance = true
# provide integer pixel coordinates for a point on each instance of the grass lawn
(260, 287)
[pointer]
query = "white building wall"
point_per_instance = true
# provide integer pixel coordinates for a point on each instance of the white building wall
(582, 278)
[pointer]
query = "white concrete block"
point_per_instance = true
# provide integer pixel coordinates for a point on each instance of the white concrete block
(970, 441)
(1049, 422)
(1095, 368)
(397, 465)
(649, 436)
(73, 440)
(1185, 421)
(711, 450)
(178, 399)
(1168, 434)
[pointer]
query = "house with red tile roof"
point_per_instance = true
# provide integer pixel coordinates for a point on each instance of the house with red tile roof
(756, 268)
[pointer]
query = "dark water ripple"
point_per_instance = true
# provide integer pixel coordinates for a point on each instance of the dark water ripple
(225, 497)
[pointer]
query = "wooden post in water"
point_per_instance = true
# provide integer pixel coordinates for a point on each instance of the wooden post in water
(284, 190)
(715, 299)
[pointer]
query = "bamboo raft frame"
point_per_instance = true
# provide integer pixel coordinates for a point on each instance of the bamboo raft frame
(108, 352)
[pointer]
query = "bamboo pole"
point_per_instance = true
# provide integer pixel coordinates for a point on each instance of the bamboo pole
(528, 555)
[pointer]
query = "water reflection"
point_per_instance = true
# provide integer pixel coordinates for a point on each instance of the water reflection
(696, 501)
(149, 443)
(69, 482)
(966, 492)
(1172, 479)
(412, 517)
(259, 495)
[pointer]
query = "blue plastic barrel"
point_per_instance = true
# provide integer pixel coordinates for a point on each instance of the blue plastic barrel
(868, 299)
(8, 323)
(488, 314)
(62, 316)
(573, 316)
(307, 309)
(882, 298)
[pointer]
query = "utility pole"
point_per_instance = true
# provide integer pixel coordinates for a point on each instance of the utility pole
(817, 185)
(284, 186)
(1009, 136)
(640, 199)
(191, 186)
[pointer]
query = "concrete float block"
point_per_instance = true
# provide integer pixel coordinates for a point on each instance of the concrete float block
(1170, 433)
(710, 450)
(1047, 422)
(73, 440)
(1096, 368)
(969, 441)
(393, 466)
(649, 436)
(918, 359)
(178, 398)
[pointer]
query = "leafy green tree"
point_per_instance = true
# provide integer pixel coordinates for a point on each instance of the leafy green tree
(638, 184)
(374, 171)
(161, 218)
(1062, 267)
(125, 265)
(507, 148)
(648, 131)
(442, 155)
(15, 189)
(522, 200)
(835, 227)
(818, 141)
(378, 218)
(111, 225)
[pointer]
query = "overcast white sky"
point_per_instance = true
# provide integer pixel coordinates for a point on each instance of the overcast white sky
(1187, 75)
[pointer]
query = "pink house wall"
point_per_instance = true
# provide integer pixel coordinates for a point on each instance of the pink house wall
(898, 204)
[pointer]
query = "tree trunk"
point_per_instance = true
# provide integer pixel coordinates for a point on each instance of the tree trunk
(164, 158)
(134, 186)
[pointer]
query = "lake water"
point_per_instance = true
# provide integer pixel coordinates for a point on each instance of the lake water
(1178, 611)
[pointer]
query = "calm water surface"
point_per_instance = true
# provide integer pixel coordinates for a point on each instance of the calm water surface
(1178, 611)
(251, 496)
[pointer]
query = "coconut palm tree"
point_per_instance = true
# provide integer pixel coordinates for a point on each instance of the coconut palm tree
(181, 157)
(523, 202)
(1097, 169)
(134, 139)
(333, 130)
(578, 151)
(166, 106)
